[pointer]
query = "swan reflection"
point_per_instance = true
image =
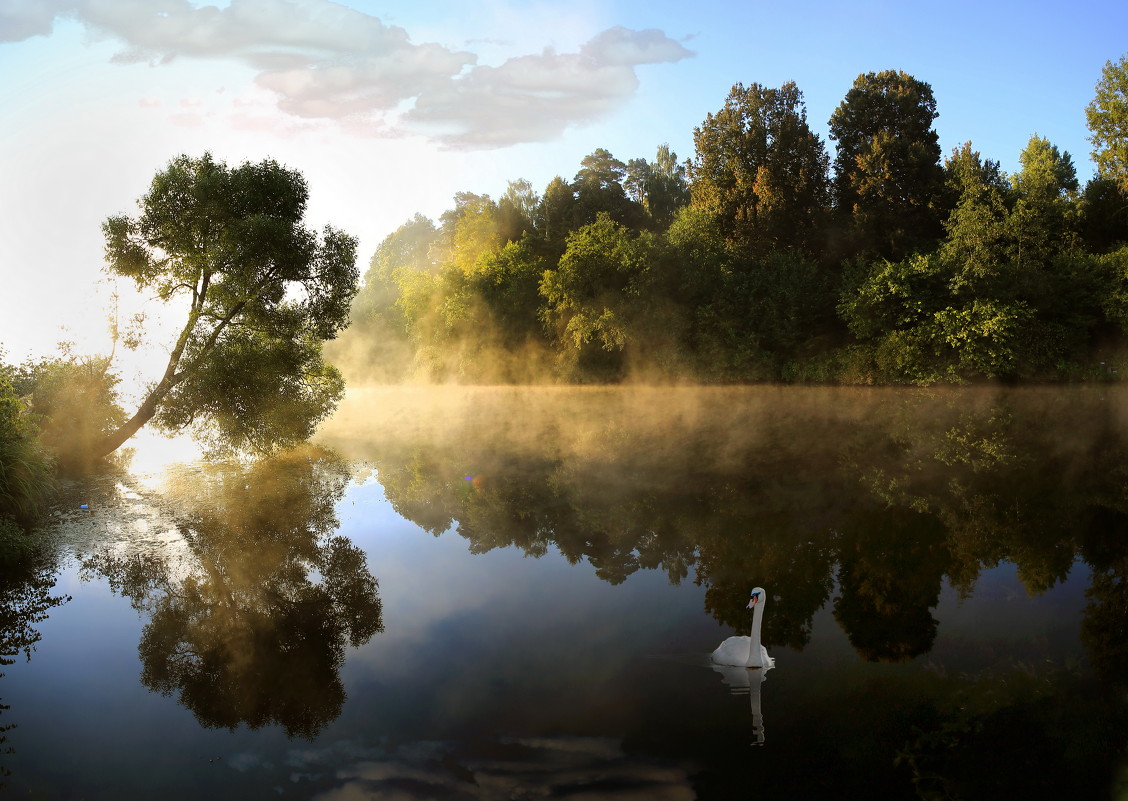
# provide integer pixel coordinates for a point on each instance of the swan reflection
(743, 662)
(747, 681)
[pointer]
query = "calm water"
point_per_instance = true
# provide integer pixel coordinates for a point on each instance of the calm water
(510, 594)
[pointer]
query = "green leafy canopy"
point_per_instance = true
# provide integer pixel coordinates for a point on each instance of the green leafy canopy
(263, 292)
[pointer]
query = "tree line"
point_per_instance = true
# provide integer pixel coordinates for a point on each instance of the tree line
(756, 260)
(761, 258)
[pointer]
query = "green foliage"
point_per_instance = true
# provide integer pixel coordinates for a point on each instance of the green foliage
(75, 401)
(1104, 215)
(376, 346)
(887, 176)
(595, 293)
(517, 210)
(660, 187)
(1043, 220)
(598, 188)
(893, 269)
(1107, 116)
(407, 248)
(556, 214)
(1006, 294)
(976, 227)
(469, 231)
(26, 476)
(263, 293)
(257, 393)
(1115, 303)
(761, 170)
(926, 328)
(508, 282)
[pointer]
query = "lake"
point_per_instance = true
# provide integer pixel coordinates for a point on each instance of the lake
(513, 593)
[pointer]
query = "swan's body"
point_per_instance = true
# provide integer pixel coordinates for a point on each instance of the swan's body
(739, 652)
(747, 651)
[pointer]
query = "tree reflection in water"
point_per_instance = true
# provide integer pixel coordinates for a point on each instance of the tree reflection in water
(868, 500)
(25, 599)
(882, 494)
(250, 625)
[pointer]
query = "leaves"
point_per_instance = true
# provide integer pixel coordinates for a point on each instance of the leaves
(1107, 116)
(761, 170)
(887, 176)
(264, 292)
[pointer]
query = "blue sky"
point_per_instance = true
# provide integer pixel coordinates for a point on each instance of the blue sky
(389, 108)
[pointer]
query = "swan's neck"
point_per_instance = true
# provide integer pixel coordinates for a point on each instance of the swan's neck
(755, 652)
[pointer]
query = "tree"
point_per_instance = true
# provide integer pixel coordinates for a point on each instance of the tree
(638, 177)
(601, 170)
(761, 169)
(26, 482)
(1104, 215)
(887, 176)
(1107, 116)
(556, 214)
(263, 293)
(666, 188)
(509, 285)
(598, 291)
(74, 401)
(376, 347)
(516, 210)
(977, 242)
(598, 188)
(1043, 219)
(470, 230)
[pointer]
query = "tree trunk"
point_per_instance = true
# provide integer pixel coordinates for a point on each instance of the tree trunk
(148, 408)
(112, 442)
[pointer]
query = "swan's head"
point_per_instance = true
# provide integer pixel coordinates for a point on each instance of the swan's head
(756, 598)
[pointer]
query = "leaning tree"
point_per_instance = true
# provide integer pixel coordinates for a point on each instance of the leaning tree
(262, 293)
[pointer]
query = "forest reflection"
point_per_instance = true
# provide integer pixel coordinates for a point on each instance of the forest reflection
(249, 620)
(26, 597)
(872, 496)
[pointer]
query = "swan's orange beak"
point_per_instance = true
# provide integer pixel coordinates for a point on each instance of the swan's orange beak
(755, 599)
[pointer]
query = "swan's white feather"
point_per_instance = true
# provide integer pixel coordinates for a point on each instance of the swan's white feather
(734, 651)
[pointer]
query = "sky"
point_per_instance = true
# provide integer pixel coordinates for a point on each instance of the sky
(390, 107)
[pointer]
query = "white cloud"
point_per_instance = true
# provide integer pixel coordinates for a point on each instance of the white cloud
(22, 19)
(324, 61)
(628, 48)
(534, 98)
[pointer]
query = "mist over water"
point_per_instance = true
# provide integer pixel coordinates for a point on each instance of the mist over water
(877, 494)
(722, 426)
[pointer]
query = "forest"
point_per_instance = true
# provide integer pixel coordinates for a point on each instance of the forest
(760, 259)
(765, 258)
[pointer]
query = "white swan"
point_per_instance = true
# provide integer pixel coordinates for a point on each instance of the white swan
(747, 651)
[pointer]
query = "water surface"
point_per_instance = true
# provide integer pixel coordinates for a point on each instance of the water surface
(512, 593)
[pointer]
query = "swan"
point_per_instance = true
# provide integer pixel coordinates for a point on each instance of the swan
(747, 651)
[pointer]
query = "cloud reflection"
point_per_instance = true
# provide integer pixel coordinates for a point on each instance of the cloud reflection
(591, 768)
